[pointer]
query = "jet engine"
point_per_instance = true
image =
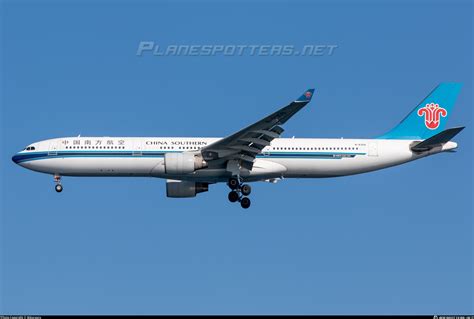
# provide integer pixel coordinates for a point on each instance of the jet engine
(183, 163)
(180, 189)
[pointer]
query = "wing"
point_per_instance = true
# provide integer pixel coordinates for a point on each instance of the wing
(244, 145)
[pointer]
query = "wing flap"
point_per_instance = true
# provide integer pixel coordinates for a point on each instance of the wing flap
(255, 141)
(246, 148)
(268, 133)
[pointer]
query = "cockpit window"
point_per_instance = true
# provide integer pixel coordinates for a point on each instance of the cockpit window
(30, 148)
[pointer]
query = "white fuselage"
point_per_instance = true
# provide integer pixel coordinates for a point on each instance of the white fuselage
(284, 158)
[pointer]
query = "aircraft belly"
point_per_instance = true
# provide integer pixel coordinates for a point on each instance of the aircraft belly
(301, 168)
(262, 169)
(265, 168)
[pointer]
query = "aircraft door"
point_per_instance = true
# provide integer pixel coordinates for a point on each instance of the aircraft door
(137, 147)
(53, 148)
(266, 151)
(373, 150)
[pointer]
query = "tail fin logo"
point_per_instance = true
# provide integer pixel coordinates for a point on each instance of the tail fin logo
(432, 113)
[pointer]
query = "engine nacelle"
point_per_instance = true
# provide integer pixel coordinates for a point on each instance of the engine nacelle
(183, 163)
(180, 189)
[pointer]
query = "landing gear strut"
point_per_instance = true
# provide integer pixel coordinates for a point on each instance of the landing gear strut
(58, 187)
(239, 192)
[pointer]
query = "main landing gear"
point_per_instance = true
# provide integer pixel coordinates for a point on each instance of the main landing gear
(58, 187)
(239, 192)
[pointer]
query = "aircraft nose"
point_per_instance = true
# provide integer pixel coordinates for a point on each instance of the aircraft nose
(16, 158)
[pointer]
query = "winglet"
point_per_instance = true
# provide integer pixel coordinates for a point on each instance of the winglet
(306, 97)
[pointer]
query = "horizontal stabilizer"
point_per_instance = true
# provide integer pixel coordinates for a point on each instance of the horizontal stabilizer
(436, 140)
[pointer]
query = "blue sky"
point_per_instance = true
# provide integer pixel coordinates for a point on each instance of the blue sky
(394, 241)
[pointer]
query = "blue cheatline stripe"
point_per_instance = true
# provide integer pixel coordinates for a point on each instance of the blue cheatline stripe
(33, 156)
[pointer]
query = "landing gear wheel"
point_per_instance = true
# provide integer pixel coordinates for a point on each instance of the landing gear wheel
(233, 183)
(233, 196)
(59, 188)
(245, 202)
(246, 189)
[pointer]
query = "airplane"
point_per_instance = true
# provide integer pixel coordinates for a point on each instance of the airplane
(255, 153)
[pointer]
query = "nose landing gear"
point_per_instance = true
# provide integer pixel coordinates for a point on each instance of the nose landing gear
(58, 187)
(239, 192)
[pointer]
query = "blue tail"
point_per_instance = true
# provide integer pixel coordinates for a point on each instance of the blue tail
(429, 117)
